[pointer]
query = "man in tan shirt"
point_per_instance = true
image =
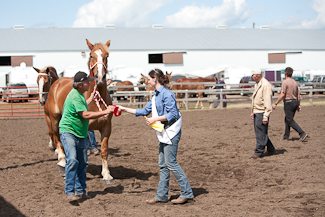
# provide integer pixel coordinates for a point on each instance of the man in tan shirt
(261, 110)
(291, 100)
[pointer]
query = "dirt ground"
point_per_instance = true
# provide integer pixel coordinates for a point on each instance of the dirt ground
(214, 153)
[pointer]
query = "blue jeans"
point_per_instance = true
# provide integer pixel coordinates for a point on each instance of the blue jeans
(76, 163)
(167, 162)
(91, 140)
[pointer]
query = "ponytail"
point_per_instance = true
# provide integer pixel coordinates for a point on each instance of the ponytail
(161, 78)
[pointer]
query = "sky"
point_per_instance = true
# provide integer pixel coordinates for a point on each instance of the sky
(277, 14)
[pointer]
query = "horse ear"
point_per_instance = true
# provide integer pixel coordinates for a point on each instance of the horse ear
(36, 69)
(108, 43)
(89, 44)
(142, 75)
(47, 69)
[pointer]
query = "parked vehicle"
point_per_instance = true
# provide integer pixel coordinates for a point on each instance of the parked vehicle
(319, 83)
(301, 79)
(246, 80)
(15, 91)
(303, 83)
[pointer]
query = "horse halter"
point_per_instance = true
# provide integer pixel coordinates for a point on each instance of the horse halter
(93, 66)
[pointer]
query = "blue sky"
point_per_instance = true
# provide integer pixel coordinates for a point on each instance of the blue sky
(277, 14)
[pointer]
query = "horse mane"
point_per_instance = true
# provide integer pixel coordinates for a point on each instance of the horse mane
(52, 71)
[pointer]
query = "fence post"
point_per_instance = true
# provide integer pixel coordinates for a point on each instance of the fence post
(311, 95)
(186, 98)
(221, 98)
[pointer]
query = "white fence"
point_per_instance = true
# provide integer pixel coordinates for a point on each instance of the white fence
(307, 91)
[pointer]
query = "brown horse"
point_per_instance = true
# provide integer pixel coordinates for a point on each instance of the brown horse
(123, 83)
(46, 77)
(144, 79)
(59, 90)
(191, 87)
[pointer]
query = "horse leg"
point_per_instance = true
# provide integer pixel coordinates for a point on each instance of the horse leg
(59, 147)
(107, 178)
(51, 142)
(201, 96)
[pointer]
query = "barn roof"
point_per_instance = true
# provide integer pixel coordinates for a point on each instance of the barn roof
(165, 39)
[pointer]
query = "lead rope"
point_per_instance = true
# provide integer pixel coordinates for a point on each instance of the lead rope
(97, 101)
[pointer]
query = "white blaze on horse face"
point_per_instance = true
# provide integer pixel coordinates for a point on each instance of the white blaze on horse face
(40, 88)
(99, 66)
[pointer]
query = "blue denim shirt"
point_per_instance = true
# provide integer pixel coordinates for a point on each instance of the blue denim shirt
(165, 104)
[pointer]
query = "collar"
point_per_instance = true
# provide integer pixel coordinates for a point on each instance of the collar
(159, 90)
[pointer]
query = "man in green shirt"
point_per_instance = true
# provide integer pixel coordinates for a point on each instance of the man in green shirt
(73, 132)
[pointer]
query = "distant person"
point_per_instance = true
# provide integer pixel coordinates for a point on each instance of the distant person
(163, 108)
(261, 110)
(291, 99)
(92, 144)
(221, 81)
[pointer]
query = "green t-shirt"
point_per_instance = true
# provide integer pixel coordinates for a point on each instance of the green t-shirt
(71, 121)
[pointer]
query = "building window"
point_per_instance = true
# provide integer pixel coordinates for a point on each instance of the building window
(5, 61)
(16, 60)
(166, 58)
(277, 58)
(173, 58)
(155, 58)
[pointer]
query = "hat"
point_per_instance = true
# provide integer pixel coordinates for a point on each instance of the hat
(256, 72)
(82, 76)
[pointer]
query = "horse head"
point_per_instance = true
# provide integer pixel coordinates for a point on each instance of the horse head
(98, 61)
(45, 78)
(169, 76)
(142, 79)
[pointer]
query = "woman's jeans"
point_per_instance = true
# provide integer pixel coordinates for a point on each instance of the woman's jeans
(76, 163)
(167, 162)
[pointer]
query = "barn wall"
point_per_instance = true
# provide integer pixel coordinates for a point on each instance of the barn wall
(192, 60)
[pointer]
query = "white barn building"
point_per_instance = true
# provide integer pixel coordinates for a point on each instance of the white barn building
(180, 50)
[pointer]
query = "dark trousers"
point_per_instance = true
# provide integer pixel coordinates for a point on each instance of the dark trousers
(262, 139)
(290, 109)
(218, 102)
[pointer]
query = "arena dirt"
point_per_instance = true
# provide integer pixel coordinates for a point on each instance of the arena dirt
(214, 153)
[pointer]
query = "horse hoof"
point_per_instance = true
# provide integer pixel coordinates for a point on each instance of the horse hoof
(107, 182)
(61, 170)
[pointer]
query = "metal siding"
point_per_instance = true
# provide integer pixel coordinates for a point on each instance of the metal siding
(168, 39)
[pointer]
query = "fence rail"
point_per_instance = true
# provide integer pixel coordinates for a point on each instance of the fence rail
(33, 108)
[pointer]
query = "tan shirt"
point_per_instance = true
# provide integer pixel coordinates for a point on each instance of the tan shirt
(290, 88)
(262, 98)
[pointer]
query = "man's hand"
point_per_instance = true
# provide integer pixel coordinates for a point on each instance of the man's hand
(110, 109)
(274, 106)
(265, 120)
(252, 116)
(299, 108)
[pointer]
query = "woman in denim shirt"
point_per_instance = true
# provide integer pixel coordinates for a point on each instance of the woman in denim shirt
(165, 110)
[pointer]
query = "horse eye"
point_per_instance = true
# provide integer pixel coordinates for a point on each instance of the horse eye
(91, 56)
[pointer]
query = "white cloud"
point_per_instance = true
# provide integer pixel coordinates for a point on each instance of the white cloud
(122, 13)
(298, 23)
(230, 13)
